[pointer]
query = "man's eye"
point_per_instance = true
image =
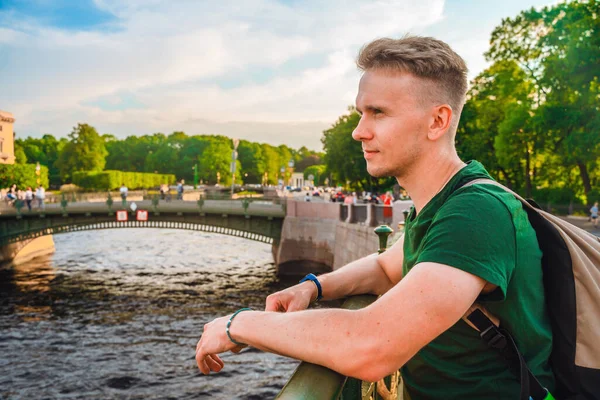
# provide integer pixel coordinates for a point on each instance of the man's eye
(377, 111)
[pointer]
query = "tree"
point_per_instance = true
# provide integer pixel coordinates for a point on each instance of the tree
(559, 48)
(253, 162)
(217, 158)
(44, 151)
(85, 151)
(318, 172)
(497, 128)
(20, 155)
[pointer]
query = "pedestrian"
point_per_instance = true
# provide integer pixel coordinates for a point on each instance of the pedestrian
(307, 197)
(123, 192)
(594, 214)
(40, 195)
(461, 244)
(11, 195)
(28, 197)
(388, 212)
(180, 190)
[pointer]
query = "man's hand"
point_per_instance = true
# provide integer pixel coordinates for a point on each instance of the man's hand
(295, 298)
(214, 341)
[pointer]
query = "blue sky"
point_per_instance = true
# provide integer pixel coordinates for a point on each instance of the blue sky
(265, 70)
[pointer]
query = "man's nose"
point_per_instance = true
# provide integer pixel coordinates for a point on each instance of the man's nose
(362, 131)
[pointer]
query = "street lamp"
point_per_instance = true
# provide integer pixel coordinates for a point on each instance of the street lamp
(37, 172)
(195, 168)
(233, 158)
(291, 167)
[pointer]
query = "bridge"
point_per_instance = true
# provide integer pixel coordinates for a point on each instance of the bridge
(305, 236)
(250, 219)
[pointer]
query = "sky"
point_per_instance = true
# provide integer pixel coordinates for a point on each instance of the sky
(274, 71)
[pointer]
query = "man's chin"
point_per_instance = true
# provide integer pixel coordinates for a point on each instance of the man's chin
(378, 172)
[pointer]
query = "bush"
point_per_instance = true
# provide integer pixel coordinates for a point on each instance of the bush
(593, 196)
(109, 180)
(557, 196)
(23, 175)
(69, 188)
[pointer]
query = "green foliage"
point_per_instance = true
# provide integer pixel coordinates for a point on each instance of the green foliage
(23, 175)
(252, 160)
(554, 195)
(532, 117)
(305, 158)
(110, 180)
(319, 172)
(46, 151)
(557, 50)
(217, 158)
(85, 151)
(20, 155)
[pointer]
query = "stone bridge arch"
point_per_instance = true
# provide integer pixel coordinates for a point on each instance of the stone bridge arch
(17, 231)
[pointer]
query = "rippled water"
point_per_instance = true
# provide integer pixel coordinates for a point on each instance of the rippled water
(118, 313)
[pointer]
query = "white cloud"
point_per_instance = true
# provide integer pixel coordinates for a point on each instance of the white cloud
(169, 54)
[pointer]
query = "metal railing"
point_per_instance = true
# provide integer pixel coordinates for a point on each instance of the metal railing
(315, 382)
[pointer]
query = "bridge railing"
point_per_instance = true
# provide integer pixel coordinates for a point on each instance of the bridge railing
(315, 382)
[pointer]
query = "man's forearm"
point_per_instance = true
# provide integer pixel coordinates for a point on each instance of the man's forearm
(359, 277)
(338, 339)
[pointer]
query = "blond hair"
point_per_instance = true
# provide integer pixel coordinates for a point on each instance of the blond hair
(424, 57)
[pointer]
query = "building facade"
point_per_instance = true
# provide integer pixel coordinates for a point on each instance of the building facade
(7, 140)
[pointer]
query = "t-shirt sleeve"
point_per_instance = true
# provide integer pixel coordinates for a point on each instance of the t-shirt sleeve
(473, 231)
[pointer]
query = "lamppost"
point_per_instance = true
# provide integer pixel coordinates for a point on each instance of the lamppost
(233, 158)
(37, 173)
(195, 168)
(291, 167)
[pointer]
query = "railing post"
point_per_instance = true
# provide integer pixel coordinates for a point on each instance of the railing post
(314, 382)
(371, 215)
(351, 219)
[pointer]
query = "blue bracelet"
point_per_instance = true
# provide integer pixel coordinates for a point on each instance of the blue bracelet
(229, 325)
(313, 278)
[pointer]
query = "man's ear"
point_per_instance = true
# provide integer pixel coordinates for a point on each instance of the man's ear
(440, 122)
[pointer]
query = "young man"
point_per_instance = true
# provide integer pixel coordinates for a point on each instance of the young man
(123, 192)
(40, 195)
(594, 214)
(463, 244)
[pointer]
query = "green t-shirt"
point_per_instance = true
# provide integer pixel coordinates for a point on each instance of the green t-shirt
(483, 230)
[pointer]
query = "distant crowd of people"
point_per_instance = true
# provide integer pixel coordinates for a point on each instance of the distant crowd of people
(385, 199)
(27, 195)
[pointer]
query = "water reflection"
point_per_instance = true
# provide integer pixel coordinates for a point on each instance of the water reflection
(117, 313)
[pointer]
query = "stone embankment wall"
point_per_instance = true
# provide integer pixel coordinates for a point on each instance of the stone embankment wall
(313, 239)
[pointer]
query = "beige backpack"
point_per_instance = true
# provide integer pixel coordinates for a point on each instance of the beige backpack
(571, 270)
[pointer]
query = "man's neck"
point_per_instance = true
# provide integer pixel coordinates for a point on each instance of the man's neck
(429, 178)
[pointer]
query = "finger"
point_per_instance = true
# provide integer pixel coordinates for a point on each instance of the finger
(202, 364)
(272, 304)
(217, 359)
(212, 364)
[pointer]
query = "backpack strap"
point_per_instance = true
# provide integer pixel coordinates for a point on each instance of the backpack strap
(500, 339)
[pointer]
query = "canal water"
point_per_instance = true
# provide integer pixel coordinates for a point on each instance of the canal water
(117, 314)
